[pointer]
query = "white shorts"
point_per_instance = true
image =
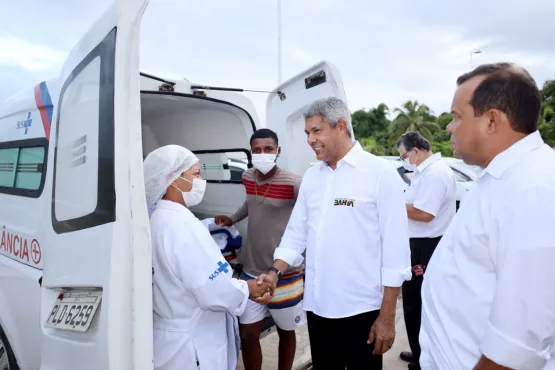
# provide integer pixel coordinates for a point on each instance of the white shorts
(286, 308)
(287, 319)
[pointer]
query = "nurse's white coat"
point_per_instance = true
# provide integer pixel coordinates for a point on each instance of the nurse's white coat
(193, 289)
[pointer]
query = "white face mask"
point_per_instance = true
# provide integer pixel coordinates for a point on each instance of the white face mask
(264, 162)
(408, 166)
(193, 197)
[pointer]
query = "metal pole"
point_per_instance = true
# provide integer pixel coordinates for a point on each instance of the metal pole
(279, 41)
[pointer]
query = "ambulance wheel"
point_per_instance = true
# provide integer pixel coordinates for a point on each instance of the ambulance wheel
(7, 358)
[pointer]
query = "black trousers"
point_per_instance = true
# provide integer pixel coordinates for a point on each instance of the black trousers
(336, 344)
(421, 250)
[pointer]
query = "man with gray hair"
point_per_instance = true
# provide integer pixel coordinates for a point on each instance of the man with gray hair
(431, 203)
(351, 220)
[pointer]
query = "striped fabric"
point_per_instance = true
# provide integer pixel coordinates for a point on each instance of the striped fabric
(282, 186)
(268, 206)
(289, 291)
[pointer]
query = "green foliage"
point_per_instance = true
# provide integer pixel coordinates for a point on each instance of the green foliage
(547, 113)
(414, 116)
(378, 135)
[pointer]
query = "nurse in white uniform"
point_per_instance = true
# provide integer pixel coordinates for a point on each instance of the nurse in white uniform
(195, 299)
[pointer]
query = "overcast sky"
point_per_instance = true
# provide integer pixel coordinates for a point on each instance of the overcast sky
(390, 53)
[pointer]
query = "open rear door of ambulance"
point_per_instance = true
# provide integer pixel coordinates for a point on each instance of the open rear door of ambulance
(284, 112)
(96, 302)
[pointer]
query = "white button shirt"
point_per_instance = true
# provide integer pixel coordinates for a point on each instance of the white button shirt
(432, 190)
(490, 286)
(352, 221)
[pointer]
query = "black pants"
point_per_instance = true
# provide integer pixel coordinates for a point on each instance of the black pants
(336, 344)
(421, 250)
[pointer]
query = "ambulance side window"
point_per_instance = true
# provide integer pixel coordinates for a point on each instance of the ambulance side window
(23, 167)
(83, 189)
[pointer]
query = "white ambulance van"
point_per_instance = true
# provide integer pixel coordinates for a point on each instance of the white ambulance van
(75, 253)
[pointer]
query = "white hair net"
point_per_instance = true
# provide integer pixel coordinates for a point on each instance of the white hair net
(162, 167)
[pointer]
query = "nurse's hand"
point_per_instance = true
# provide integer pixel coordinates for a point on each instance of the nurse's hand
(223, 221)
(259, 292)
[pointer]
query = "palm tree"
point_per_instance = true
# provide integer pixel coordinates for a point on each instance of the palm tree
(413, 117)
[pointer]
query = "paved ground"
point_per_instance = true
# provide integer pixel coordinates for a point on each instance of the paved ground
(391, 358)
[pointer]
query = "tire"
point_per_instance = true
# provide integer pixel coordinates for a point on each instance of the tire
(7, 357)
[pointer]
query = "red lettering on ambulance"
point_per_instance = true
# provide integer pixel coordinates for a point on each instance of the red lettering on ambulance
(18, 246)
(14, 242)
(35, 251)
(25, 249)
(11, 243)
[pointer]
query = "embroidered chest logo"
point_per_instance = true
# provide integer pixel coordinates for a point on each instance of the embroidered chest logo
(222, 267)
(344, 202)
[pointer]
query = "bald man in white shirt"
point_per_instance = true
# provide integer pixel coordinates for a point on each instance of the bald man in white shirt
(488, 297)
(431, 206)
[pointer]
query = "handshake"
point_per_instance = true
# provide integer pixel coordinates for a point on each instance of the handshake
(261, 289)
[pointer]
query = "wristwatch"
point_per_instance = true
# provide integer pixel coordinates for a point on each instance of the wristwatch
(278, 273)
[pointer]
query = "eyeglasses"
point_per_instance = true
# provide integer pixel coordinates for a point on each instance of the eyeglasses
(404, 156)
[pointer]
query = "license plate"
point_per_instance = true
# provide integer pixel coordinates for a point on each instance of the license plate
(74, 310)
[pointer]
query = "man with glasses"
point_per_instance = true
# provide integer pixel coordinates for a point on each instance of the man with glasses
(430, 201)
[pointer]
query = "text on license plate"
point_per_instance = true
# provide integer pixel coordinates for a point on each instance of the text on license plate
(74, 310)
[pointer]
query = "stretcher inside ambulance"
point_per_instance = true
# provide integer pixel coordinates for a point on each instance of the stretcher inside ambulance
(75, 251)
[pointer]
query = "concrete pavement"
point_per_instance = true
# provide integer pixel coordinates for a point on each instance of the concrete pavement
(391, 358)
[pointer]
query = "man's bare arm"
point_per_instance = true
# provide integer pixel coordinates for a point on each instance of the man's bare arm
(383, 330)
(271, 278)
(389, 303)
(418, 215)
(487, 364)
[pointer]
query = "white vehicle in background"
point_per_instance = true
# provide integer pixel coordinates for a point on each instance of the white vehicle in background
(75, 252)
(464, 174)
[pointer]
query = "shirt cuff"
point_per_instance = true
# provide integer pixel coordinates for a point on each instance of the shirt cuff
(506, 352)
(395, 278)
(290, 256)
(245, 288)
(423, 208)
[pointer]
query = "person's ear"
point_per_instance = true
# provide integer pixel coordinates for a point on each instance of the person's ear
(278, 152)
(495, 120)
(342, 125)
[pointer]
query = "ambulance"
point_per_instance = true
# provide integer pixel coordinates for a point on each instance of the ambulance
(75, 251)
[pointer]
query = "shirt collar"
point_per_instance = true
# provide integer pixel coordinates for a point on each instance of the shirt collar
(432, 159)
(351, 157)
(168, 204)
(507, 158)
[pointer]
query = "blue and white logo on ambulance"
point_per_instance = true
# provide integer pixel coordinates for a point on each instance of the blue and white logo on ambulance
(25, 124)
